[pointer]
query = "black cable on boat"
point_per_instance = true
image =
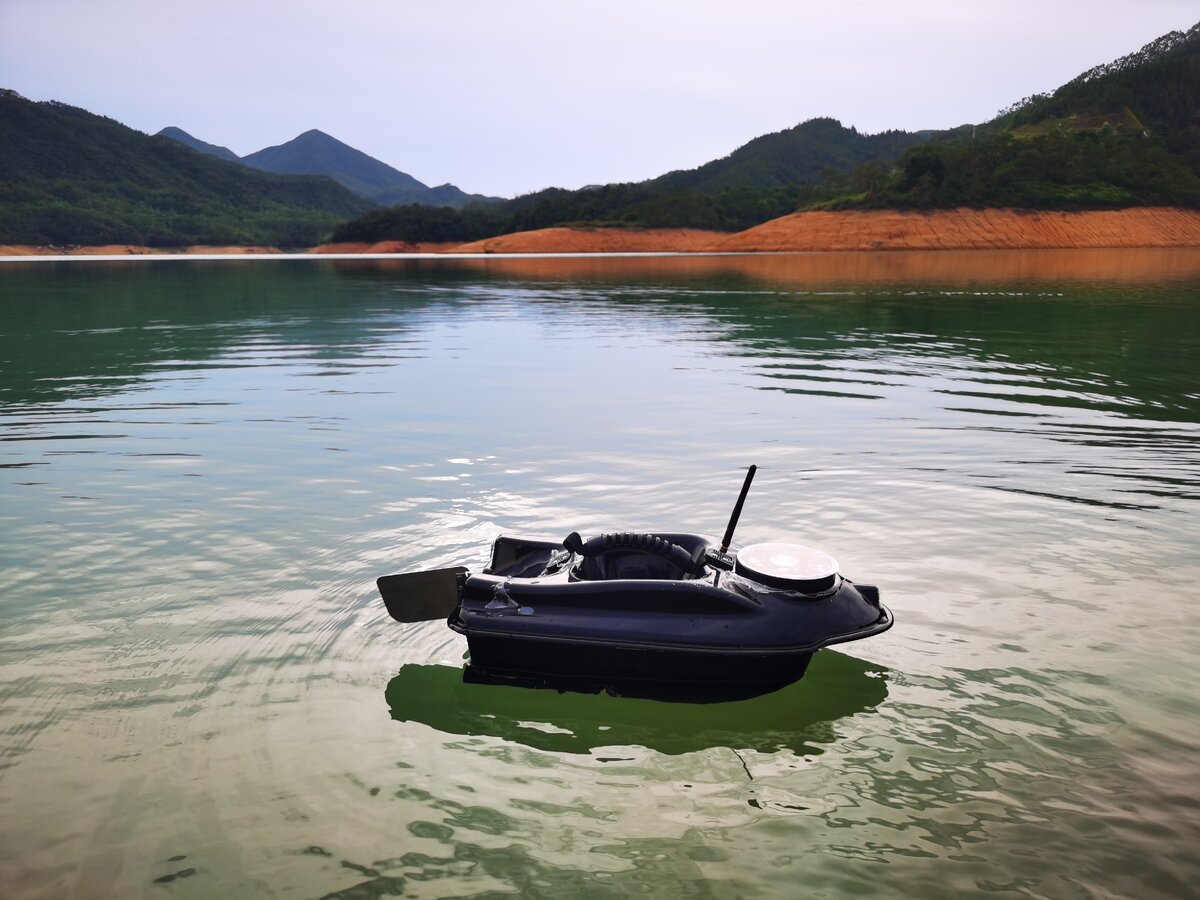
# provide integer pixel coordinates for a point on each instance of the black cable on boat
(737, 510)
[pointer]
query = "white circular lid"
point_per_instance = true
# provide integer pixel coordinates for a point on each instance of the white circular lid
(786, 562)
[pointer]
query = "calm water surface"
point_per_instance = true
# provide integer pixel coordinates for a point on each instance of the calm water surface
(205, 465)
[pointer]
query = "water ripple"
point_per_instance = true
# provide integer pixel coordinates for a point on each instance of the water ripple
(198, 676)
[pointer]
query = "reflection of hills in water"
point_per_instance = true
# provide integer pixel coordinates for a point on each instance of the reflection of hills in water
(976, 268)
(78, 330)
(800, 717)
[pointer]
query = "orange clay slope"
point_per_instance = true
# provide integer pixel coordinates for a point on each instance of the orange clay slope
(877, 229)
(969, 229)
(953, 229)
(597, 240)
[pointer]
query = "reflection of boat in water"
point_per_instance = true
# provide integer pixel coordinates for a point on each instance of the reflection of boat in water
(799, 717)
(662, 609)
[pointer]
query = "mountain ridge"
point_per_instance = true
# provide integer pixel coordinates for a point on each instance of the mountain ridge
(792, 156)
(69, 176)
(1121, 134)
(1125, 133)
(755, 182)
(315, 152)
(178, 134)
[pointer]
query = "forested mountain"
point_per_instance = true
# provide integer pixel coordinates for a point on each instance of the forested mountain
(68, 176)
(316, 153)
(1121, 134)
(1126, 133)
(759, 181)
(791, 158)
(1159, 85)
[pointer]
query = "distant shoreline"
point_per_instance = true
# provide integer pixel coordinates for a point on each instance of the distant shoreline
(804, 232)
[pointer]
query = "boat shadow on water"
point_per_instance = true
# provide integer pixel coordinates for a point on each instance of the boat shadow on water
(579, 718)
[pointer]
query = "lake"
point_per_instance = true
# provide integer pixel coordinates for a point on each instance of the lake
(206, 464)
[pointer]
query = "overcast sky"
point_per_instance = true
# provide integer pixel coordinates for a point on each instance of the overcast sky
(508, 96)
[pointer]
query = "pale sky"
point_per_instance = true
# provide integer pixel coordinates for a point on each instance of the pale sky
(508, 96)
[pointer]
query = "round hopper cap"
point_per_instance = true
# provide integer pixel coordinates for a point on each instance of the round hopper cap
(789, 566)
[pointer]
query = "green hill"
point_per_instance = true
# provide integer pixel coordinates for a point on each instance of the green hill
(791, 158)
(1122, 134)
(316, 153)
(68, 176)
(1158, 85)
(759, 181)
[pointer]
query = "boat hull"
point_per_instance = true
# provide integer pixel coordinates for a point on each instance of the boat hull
(663, 609)
(517, 656)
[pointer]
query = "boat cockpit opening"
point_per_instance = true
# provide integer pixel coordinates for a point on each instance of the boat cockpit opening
(654, 556)
(614, 564)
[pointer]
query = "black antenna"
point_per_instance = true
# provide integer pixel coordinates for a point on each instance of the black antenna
(737, 510)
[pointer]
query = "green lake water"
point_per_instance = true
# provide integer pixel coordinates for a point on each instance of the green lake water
(205, 465)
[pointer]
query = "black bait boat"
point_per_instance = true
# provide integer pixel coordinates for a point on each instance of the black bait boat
(625, 609)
